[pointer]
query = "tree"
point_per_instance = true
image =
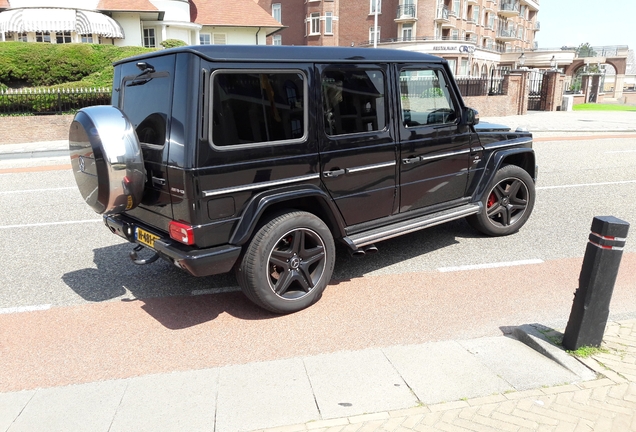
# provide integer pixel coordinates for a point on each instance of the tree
(585, 50)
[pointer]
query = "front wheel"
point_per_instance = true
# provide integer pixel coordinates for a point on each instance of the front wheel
(507, 204)
(288, 263)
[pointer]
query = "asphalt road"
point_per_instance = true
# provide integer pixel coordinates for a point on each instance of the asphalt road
(89, 302)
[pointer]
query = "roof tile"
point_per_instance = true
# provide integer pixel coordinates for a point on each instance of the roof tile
(242, 13)
(124, 5)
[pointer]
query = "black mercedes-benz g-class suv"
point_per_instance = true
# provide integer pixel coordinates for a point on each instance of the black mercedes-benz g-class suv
(259, 158)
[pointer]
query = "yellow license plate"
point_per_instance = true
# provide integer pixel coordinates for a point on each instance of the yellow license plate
(145, 238)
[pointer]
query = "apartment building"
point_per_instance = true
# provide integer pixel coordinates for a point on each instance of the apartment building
(471, 34)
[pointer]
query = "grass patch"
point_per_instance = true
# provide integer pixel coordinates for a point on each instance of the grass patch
(586, 351)
(603, 107)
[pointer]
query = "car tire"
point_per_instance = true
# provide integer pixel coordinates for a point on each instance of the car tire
(288, 263)
(507, 203)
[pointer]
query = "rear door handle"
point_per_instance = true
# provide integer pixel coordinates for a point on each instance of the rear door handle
(333, 173)
(411, 160)
(159, 181)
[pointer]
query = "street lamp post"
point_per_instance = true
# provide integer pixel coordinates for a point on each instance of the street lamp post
(522, 59)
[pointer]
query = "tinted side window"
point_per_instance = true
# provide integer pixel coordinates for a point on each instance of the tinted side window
(353, 101)
(425, 98)
(147, 100)
(257, 107)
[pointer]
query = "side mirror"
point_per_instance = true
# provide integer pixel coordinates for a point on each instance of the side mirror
(471, 116)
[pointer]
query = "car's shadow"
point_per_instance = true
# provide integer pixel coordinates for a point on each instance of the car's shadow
(178, 300)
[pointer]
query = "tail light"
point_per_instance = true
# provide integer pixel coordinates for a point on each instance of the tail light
(181, 232)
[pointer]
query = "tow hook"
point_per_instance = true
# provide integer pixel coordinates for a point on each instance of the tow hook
(138, 261)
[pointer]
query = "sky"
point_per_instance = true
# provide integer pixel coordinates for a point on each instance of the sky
(599, 22)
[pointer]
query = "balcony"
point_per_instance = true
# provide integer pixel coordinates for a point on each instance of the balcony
(537, 26)
(442, 15)
(532, 4)
(406, 13)
(509, 9)
(506, 35)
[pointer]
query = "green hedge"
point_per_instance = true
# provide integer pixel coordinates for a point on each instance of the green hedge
(66, 65)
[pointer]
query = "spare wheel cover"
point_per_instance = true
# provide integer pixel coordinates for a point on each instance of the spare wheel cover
(106, 159)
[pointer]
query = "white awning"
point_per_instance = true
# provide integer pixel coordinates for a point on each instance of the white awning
(59, 20)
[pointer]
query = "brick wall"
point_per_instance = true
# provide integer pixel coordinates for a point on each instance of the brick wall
(25, 129)
(514, 102)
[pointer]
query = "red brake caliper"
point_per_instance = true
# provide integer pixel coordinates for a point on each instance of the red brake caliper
(492, 199)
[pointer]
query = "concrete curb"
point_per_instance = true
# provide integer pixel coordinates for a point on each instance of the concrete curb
(534, 335)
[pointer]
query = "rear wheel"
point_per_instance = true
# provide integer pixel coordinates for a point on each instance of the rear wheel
(507, 204)
(288, 263)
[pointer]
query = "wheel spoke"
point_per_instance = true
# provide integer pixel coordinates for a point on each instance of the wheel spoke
(312, 255)
(505, 215)
(304, 278)
(500, 191)
(514, 187)
(284, 281)
(298, 241)
(494, 210)
(280, 258)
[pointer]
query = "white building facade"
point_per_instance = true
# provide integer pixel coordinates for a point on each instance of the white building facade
(136, 22)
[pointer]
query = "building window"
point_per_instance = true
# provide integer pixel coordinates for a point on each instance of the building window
(42, 37)
(463, 70)
(457, 7)
(276, 12)
(454, 34)
(205, 39)
(328, 22)
(476, 14)
(20, 37)
(314, 23)
(89, 38)
(277, 40)
(149, 38)
(407, 32)
(452, 64)
(63, 37)
(375, 5)
(219, 39)
(374, 34)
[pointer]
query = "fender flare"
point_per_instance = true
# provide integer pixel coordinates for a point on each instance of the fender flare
(497, 160)
(259, 204)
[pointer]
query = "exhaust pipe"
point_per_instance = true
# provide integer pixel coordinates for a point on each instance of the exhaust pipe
(371, 249)
(357, 253)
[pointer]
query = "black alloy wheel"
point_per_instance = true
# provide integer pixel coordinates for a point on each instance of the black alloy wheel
(508, 203)
(288, 263)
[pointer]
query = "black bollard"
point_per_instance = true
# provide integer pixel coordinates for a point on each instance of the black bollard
(596, 283)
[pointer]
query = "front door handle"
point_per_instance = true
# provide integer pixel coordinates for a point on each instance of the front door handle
(333, 173)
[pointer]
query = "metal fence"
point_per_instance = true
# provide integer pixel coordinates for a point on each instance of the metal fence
(483, 86)
(51, 101)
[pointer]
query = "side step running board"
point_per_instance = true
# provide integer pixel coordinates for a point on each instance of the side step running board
(389, 231)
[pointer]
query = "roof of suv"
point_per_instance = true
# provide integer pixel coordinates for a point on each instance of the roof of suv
(268, 53)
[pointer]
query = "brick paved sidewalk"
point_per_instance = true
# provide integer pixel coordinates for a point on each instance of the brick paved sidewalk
(605, 404)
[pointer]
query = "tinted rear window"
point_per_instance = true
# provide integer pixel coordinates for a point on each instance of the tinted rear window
(254, 107)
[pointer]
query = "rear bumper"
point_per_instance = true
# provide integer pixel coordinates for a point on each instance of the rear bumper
(197, 262)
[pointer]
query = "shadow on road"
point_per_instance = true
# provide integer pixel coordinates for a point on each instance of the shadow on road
(178, 300)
